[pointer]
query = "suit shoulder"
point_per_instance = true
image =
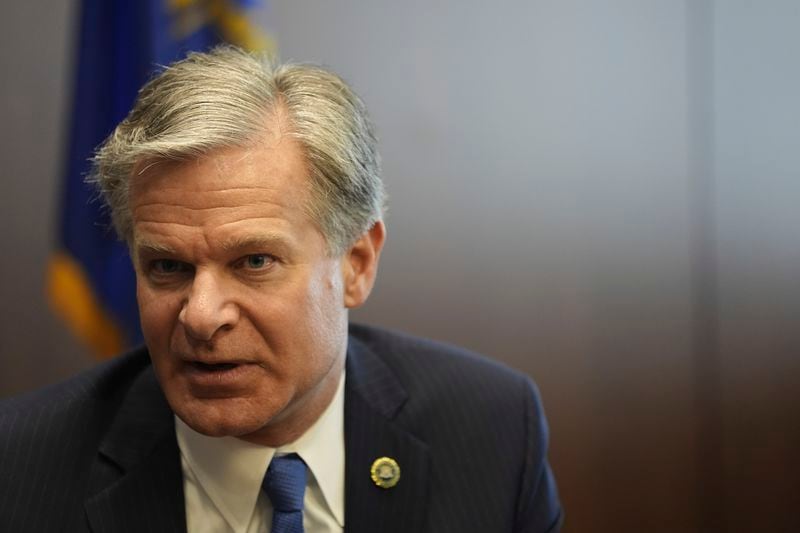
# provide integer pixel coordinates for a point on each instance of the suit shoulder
(50, 440)
(406, 354)
(443, 378)
(96, 389)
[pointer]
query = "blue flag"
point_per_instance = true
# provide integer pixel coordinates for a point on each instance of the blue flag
(91, 283)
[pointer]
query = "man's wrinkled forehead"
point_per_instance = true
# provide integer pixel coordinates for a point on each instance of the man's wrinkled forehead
(273, 162)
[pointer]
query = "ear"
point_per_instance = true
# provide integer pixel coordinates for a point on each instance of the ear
(360, 265)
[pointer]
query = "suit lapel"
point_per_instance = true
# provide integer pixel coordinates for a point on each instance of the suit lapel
(373, 399)
(137, 479)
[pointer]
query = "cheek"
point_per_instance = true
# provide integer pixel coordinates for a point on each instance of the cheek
(325, 306)
(305, 316)
(157, 313)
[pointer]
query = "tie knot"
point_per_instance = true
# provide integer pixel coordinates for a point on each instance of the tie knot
(285, 483)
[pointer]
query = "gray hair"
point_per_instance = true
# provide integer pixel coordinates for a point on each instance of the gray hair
(221, 99)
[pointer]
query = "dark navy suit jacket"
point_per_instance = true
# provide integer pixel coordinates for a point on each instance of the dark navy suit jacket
(98, 453)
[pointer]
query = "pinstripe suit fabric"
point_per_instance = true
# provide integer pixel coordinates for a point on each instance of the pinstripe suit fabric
(98, 453)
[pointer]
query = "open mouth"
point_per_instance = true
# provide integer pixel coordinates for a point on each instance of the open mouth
(219, 378)
(215, 367)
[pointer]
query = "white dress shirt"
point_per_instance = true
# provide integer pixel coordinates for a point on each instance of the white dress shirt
(222, 477)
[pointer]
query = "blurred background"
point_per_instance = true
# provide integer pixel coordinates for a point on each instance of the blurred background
(600, 193)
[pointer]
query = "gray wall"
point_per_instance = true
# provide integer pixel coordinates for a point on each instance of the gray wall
(757, 159)
(600, 194)
(36, 65)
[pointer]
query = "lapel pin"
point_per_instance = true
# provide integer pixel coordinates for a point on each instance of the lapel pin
(385, 472)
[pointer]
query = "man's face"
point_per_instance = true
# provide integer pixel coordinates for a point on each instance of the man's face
(242, 308)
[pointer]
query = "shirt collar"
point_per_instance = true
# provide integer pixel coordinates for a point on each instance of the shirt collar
(230, 470)
(322, 449)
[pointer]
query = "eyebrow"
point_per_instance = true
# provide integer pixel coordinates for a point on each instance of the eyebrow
(262, 240)
(146, 247)
(151, 247)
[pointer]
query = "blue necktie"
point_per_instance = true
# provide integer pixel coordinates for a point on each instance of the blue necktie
(285, 484)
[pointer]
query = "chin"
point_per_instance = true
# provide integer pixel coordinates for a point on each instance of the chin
(219, 418)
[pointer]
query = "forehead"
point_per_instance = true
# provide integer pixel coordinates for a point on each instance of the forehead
(266, 183)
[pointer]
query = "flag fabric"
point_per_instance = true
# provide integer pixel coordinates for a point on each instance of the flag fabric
(91, 283)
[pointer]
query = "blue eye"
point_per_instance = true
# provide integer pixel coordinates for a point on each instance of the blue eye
(258, 261)
(167, 266)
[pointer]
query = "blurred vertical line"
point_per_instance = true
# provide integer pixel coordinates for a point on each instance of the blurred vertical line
(710, 472)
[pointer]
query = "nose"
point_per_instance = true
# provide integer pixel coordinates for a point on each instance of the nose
(208, 308)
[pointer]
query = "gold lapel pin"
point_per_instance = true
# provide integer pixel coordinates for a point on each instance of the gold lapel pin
(385, 472)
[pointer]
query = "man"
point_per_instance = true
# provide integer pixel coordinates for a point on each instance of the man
(251, 200)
